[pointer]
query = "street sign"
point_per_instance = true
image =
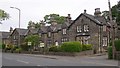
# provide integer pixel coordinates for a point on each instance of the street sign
(42, 44)
(29, 43)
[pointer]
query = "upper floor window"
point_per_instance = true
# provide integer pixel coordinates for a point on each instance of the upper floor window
(49, 34)
(79, 29)
(86, 28)
(104, 28)
(14, 37)
(104, 41)
(39, 34)
(64, 31)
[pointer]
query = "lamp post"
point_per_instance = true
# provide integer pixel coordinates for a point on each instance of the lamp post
(19, 23)
(112, 29)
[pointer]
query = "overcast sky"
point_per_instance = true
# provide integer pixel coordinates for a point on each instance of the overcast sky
(35, 10)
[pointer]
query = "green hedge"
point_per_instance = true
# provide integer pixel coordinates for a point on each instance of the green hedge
(24, 46)
(86, 47)
(54, 49)
(71, 47)
(110, 52)
(117, 45)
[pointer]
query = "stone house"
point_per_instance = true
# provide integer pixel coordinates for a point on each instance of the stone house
(5, 37)
(14, 36)
(86, 28)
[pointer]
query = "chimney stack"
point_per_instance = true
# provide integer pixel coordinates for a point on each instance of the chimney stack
(85, 11)
(97, 12)
(11, 30)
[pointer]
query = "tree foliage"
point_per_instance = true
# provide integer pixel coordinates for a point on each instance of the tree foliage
(3, 15)
(34, 39)
(116, 12)
(32, 24)
(54, 17)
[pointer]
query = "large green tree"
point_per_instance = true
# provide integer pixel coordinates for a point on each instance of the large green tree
(34, 39)
(32, 24)
(3, 15)
(116, 12)
(54, 17)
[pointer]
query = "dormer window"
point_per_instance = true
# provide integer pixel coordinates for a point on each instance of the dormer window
(86, 28)
(49, 34)
(39, 34)
(79, 29)
(104, 28)
(64, 31)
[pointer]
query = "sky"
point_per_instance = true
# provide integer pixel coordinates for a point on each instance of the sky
(35, 10)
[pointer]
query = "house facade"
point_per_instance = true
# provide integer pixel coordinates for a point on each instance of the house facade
(86, 28)
(16, 33)
(5, 37)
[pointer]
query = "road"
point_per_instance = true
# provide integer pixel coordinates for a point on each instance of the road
(10, 59)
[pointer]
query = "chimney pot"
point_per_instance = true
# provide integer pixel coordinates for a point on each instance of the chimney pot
(85, 11)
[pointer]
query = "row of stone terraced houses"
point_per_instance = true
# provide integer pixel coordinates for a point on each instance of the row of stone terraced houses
(86, 28)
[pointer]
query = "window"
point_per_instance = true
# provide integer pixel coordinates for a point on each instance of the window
(104, 28)
(64, 31)
(39, 34)
(49, 34)
(79, 29)
(86, 28)
(64, 40)
(104, 41)
(14, 37)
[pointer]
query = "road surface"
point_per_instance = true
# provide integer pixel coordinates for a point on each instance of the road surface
(10, 59)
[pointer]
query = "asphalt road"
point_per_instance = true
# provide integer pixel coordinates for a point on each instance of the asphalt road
(9, 59)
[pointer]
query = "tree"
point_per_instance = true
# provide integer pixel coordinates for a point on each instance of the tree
(54, 17)
(116, 12)
(3, 15)
(34, 39)
(32, 24)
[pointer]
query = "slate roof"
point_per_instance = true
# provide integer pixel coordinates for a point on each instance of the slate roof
(98, 20)
(21, 31)
(5, 34)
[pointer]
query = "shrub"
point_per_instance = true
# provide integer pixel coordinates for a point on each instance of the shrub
(71, 47)
(24, 46)
(117, 45)
(110, 52)
(86, 47)
(54, 49)
(18, 50)
(3, 46)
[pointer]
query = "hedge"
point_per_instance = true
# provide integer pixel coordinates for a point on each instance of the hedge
(110, 52)
(54, 49)
(86, 47)
(71, 47)
(117, 44)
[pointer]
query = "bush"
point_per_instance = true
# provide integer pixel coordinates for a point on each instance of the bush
(13, 48)
(86, 47)
(24, 46)
(117, 45)
(71, 47)
(18, 50)
(110, 52)
(54, 49)
(3, 46)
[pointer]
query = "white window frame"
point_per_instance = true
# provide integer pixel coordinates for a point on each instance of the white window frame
(104, 41)
(86, 28)
(64, 31)
(79, 29)
(49, 34)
